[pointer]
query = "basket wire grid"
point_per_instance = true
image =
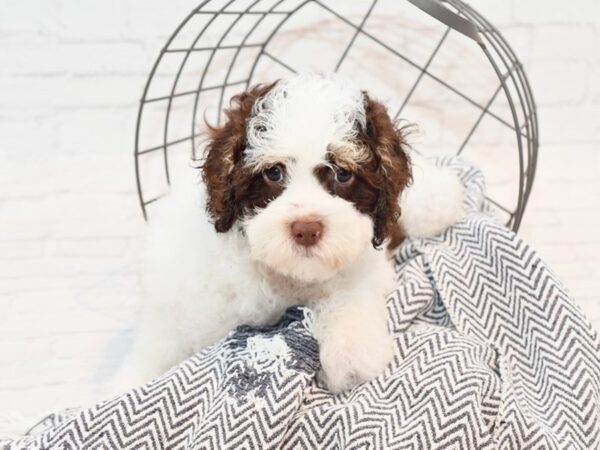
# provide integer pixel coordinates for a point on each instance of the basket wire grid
(252, 26)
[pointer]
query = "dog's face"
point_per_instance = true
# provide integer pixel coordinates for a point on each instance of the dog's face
(310, 170)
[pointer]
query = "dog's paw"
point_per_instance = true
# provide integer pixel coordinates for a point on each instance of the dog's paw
(348, 361)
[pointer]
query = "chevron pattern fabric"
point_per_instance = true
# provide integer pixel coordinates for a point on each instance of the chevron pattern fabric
(490, 354)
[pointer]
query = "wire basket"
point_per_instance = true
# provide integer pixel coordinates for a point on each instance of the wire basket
(440, 65)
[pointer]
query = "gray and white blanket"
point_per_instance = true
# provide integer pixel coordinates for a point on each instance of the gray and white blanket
(490, 353)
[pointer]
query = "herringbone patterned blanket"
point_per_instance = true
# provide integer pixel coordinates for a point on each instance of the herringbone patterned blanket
(490, 354)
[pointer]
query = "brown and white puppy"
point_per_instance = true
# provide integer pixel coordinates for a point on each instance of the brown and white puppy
(300, 192)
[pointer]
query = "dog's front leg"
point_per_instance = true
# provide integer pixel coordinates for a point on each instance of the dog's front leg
(354, 341)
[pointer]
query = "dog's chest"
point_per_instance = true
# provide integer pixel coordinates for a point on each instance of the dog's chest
(293, 292)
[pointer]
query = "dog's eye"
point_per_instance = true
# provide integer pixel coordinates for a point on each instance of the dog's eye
(274, 174)
(343, 176)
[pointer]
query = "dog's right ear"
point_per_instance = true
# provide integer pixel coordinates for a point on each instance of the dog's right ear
(224, 152)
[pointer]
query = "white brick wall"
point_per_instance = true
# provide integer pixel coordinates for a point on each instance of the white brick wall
(71, 73)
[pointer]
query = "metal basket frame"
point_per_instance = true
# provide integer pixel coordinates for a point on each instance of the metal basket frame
(456, 14)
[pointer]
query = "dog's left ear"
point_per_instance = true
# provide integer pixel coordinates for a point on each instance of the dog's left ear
(223, 156)
(388, 144)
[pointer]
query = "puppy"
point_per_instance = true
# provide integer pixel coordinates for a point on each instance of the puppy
(298, 204)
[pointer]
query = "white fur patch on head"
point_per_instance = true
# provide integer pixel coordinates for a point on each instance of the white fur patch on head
(301, 116)
(301, 124)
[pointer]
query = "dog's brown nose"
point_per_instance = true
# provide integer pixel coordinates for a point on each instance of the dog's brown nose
(306, 233)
